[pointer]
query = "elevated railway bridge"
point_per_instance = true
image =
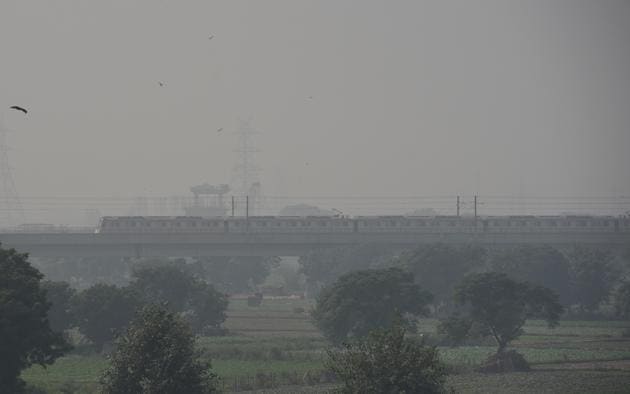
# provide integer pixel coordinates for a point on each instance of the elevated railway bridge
(161, 236)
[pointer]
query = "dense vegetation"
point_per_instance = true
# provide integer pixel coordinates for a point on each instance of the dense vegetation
(26, 337)
(362, 289)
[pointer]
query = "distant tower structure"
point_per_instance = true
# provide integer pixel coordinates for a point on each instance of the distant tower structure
(208, 200)
(246, 171)
(246, 180)
(11, 211)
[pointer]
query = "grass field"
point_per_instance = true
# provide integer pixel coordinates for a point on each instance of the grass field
(277, 345)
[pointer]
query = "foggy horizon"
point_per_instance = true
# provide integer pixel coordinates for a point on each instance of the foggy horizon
(368, 99)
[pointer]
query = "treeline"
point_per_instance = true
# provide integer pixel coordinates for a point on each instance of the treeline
(590, 282)
(227, 274)
(102, 311)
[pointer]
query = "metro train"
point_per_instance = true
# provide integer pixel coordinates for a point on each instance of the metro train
(364, 224)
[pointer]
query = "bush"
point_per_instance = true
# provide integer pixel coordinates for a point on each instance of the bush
(387, 362)
(157, 355)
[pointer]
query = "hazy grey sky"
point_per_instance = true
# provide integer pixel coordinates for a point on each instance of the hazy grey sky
(408, 97)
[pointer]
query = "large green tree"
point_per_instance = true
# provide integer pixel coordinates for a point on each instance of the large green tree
(175, 285)
(323, 266)
(102, 311)
(157, 355)
(361, 301)
(386, 362)
(60, 295)
(622, 300)
(503, 305)
(25, 334)
(594, 276)
(439, 267)
(539, 264)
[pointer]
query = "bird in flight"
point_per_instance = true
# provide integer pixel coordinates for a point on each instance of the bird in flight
(161, 84)
(211, 37)
(18, 108)
(220, 129)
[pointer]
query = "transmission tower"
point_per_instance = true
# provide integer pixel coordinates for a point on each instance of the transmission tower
(246, 180)
(11, 211)
(246, 173)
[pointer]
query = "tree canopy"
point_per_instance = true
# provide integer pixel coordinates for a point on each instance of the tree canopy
(103, 310)
(361, 301)
(387, 362)
(25, 334)
(157, 355)
(538, 264)
(594, 276)
(60, 295)
(439, 267)
(174, 285)
(503, 305)
(323, 266)
(622, 300)
(236, 274)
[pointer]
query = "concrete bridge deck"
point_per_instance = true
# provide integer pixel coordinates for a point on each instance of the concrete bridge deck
(271, 244)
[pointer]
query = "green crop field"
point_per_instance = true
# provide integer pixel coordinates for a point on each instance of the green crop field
(276, 345)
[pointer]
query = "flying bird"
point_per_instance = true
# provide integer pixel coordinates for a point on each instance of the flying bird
(161, 84)
(18, 108)
(220, 129)
(211, 37)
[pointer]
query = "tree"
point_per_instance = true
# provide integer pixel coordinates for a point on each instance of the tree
(60, 295)
(387, 362)
(103, 310)
(236, 274)
(503, 305)
(438, 267)
(539, 264)
(323, 266)
(207, 308)
(361, 301)
(622, 300)
(157, 355)
(163, 282)
(174, 285)
(594, 276)
(25, 334)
